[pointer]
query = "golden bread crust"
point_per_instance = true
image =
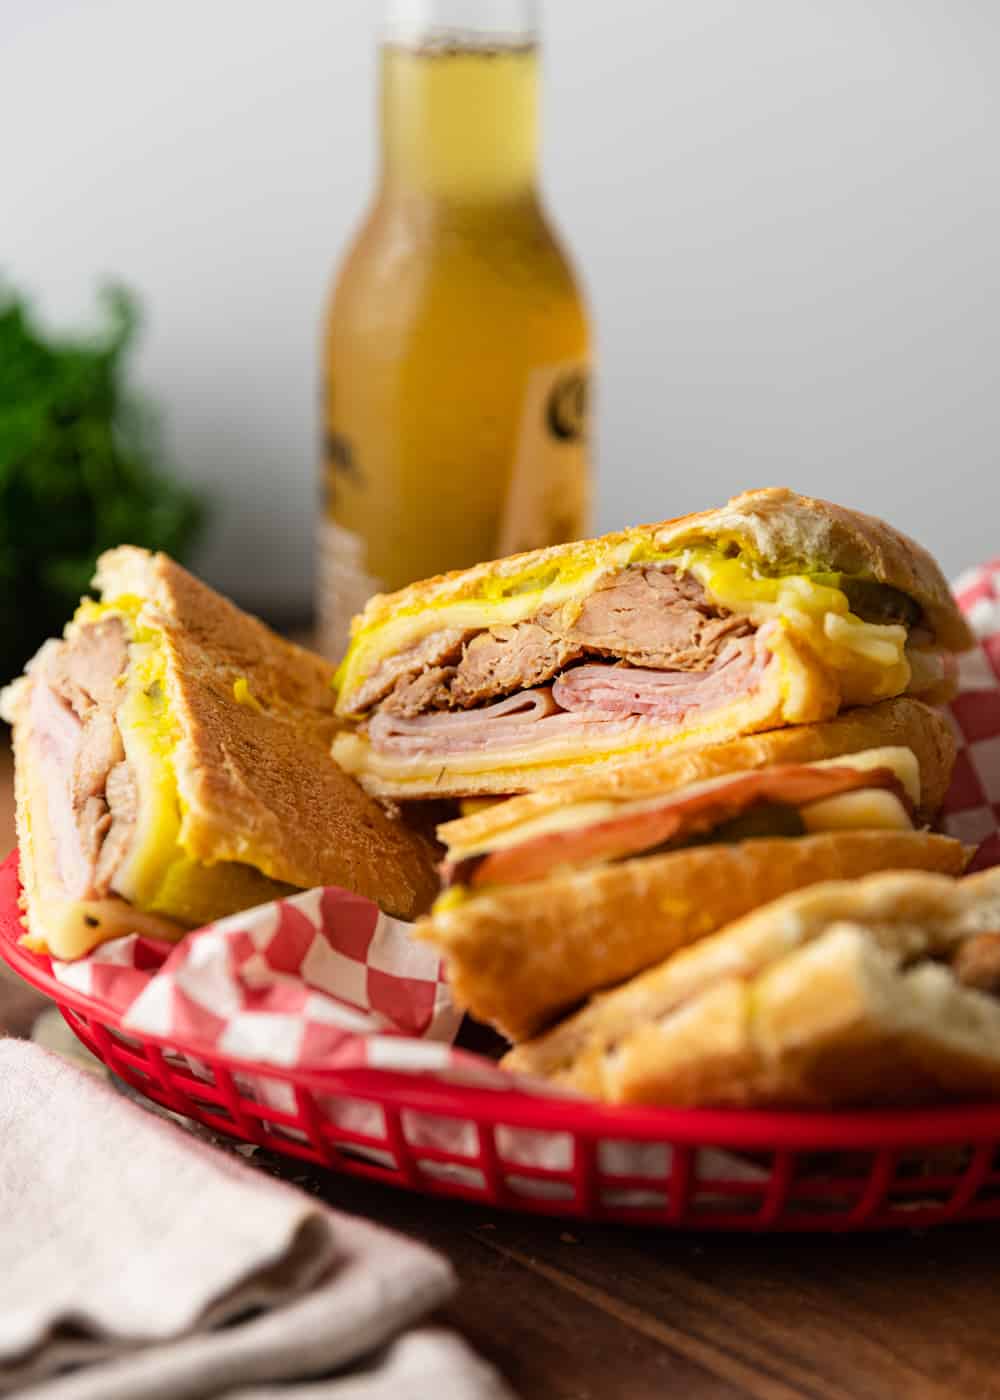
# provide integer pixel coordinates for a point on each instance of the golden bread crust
(256, 779)
(900, 722)
(783, 527)
(519, 956)
(812, 1000)
(461, 584)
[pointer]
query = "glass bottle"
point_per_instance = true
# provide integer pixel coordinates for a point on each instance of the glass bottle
(457, 349)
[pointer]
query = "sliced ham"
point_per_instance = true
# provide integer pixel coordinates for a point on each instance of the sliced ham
(606, 699)
(91, 799)
(520, 719)
(618, 692)
(55, 731)
(677, 818)
(528, 706)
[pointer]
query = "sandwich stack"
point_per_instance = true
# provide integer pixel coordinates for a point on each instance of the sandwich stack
(656, 748)
(703, 718)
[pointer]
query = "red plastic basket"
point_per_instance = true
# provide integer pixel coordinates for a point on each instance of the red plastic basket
(683, 1168)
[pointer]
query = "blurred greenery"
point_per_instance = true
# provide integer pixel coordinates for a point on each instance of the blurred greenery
(81, 469)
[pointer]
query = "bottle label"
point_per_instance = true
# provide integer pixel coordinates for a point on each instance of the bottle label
(548, 500)
(343, 585)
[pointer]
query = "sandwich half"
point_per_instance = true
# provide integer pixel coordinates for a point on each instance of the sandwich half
(774, 610)
(172, 765)
(553, 895)
(880, 991)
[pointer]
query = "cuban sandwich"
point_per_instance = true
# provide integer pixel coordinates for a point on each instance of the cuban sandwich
(173, 766)
(774, 610)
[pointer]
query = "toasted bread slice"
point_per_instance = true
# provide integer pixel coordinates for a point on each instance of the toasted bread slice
(255, 776)
(882, 991)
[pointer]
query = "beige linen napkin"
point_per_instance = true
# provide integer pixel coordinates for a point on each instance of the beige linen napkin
(163, 1269)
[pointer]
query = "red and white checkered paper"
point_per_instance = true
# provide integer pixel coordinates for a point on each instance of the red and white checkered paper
(972, 807)
(323, 980)
(319, 980)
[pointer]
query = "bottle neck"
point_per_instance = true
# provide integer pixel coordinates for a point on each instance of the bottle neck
(459, 100)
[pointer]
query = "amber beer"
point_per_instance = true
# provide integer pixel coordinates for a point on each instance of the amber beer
(457, 352)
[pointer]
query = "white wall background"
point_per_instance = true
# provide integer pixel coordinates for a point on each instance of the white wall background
(787, 213)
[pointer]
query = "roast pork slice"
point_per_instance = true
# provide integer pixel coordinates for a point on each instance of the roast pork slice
(646, 615)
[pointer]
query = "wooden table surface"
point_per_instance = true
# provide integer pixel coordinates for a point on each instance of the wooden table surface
(570, 1311)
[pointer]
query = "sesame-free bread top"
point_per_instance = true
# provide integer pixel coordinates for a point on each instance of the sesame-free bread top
(785, 530)
(254, 773)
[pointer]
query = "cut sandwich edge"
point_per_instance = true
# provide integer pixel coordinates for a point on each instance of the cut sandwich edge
(520, 956)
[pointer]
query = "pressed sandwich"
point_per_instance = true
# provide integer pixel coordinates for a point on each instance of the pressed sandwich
(555, 894)
(774, 610)
(880, 991)
(173, 766)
